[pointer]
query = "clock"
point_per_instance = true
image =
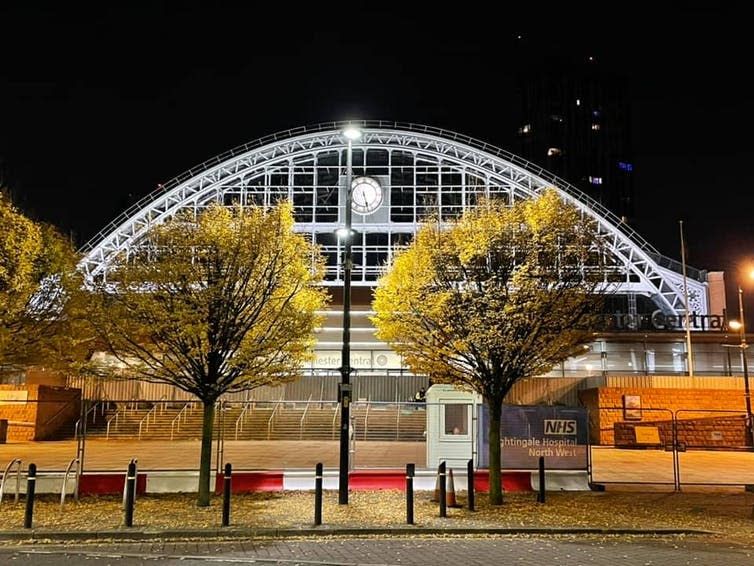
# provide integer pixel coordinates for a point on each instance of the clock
(366, 195)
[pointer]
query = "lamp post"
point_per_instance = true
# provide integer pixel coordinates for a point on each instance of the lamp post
(344, 391)
(742, 345)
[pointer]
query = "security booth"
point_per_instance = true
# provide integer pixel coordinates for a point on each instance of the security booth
(451, 426)
(458, 430)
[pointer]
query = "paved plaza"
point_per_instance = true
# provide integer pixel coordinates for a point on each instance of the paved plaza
(608, 465)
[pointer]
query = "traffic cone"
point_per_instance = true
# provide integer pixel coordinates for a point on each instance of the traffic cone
(450, 496)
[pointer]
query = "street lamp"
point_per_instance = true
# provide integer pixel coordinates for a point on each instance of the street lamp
(740, 325)
(344, 392)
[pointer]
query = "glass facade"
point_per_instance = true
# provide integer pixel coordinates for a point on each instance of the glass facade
(416, 186)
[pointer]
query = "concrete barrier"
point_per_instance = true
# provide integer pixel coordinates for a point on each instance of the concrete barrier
(101, 483)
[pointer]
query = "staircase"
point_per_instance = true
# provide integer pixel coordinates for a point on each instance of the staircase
(167, 420)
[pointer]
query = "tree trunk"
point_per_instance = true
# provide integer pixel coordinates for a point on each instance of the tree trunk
(496, 479)
(205, 463)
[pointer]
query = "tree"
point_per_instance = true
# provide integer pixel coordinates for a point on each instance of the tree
(37, 272)
(218, 303)
(501, 294)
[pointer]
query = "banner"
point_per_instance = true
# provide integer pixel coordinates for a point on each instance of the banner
(559, 434)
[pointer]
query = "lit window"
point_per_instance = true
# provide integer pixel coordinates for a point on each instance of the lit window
(556, 118)
(578, 102)
(525, 129)
(456, 419)
(595, 180)
(595, 127)
(625, 166)
(596, 114)
(553, 151)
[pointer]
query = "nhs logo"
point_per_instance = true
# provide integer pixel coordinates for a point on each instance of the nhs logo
(560, 426)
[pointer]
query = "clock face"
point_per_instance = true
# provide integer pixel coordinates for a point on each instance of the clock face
(366, 195)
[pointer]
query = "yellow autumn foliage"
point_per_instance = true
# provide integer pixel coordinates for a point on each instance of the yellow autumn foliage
(503, 293)
(220, 303)
(37, 267)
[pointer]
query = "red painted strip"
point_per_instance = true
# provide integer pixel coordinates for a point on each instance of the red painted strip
(379, 479)
(102, 484)
(244, 482)
(512, 481)
(517, 481)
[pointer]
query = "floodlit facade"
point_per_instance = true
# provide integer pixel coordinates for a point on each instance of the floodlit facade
(401, 173)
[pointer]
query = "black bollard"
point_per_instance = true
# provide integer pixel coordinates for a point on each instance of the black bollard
(470, 488)
(410, 470)
(31, 480)
(226, 495)
(443, 489)
(541, 494)
(318, 494)
(130, 494)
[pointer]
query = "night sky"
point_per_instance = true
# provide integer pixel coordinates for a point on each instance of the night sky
(101, 102)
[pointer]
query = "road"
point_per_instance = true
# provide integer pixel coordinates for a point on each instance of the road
(387, 551)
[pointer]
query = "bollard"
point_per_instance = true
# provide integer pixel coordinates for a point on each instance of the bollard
(410, 470)
(31, 479)
(134, 461)
(443, 502)
(470, 488)
(226, 495)
(130, 492)
(318, 494)
(541, 494)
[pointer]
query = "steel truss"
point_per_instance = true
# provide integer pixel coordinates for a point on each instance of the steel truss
(422, 170)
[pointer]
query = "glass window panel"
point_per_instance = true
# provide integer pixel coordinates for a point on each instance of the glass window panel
(456, 419)
(377, 162)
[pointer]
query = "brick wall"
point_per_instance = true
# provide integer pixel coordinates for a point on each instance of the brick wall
(605, 406)
(715, 432)
(39, 412)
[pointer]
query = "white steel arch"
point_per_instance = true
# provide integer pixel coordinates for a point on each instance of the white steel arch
(422, 169)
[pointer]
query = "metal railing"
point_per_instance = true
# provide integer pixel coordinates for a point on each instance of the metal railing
(175, 424)
(240, 420)
(152, 414)
(103, 406)
(303, 419)
(5, 477)
(272, 417)
(110, 421)
(76, 476)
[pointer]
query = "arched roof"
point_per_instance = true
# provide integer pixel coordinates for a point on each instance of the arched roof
(306, 165)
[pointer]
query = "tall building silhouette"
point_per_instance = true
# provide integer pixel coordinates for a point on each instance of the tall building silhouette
(575, 121)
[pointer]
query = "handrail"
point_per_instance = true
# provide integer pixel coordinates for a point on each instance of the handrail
(335, 419)
(104, 403)
(272, 416)
(239, 420)
(93, 408)
(5, 476)
(398, 422)
(65, 481)
(176, 422)
(303, 417)
(366, 419)
(110, 420)
(152, 412)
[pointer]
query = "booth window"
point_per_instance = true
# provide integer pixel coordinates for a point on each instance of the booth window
(456, 419)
